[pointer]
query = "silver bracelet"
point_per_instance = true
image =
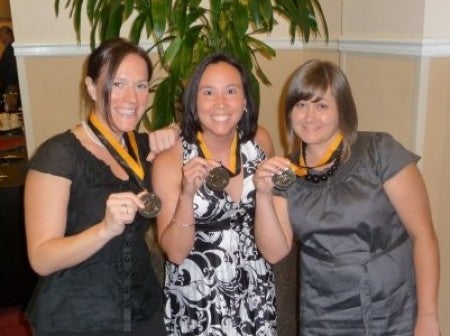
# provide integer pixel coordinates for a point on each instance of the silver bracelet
(174, 222)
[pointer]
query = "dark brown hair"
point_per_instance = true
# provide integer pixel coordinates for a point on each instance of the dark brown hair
(248, 124)
(106, 59)
(310, 82)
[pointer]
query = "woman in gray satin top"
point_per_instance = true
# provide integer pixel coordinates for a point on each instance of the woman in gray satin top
(359, 207)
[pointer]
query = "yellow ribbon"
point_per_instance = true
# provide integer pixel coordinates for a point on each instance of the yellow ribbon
(207, 154)
(135, 166)
(302, 169)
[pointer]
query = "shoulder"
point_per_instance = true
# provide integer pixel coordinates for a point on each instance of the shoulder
(264, 140)
(384, 153)
(60, 143)
(167, 168)
(381, 143)
(170, 158)
(56, 155)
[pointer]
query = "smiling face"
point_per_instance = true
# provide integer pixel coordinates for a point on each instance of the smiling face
(128, 94)
(220, 99)
(316, 121)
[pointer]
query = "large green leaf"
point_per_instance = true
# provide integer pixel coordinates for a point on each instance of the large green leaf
(77, 18)
(128, 8)
(90, 9)
(160, 11)
(164, 103)
(114, 21)
(138, 26)
(240, 18)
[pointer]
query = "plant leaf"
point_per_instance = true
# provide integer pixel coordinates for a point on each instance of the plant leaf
(240, 18)
(115, 21)
(163, 107)
(138, 26)
(90, 6)
(160, 11)
(77, 18)
(128, 8)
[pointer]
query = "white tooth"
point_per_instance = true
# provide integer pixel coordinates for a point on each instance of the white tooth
(220, 118)
(126, 111)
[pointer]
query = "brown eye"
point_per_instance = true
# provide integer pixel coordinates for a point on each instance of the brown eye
(300, 105)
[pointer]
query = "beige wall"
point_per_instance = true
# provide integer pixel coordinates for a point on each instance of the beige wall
(436, 168)
(394, 53)
(380, 19)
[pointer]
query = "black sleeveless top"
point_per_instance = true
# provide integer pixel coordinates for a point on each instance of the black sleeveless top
(116, 287)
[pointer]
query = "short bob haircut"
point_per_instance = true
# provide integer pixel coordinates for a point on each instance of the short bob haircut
(310, 82)
(103, 62)
(190, 125)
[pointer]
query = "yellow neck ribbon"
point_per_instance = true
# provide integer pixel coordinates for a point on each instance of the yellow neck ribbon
(302, 169)
(235, 154)
(135, 163)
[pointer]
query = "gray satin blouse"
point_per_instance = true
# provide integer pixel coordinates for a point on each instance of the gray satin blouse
(357, 274)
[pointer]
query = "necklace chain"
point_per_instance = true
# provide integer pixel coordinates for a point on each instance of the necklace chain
(94, 138)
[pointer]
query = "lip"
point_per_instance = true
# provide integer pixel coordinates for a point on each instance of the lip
(310, 129)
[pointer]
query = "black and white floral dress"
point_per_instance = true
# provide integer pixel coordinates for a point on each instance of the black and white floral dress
(224, 286)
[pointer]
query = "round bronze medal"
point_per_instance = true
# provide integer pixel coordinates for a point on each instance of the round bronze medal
(285, 179)
(218, 178)
(152, 205)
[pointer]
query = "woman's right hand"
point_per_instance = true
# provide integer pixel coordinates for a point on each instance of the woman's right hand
(195, 172)
(120, 210)
(266, 170)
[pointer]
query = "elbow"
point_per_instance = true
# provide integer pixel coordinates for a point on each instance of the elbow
(174, 255)
(38, 267)
(39, 263)
(175, 252)
(273, 259)
(274, 256)
(176, 258)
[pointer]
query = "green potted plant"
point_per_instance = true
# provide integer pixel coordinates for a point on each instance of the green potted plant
(184, 31)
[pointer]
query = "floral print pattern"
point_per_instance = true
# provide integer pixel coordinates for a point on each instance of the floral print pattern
(224, 286)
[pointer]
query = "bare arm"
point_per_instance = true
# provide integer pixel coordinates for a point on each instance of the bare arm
(407, 192)
(46, 201)
(273, 231)
(176, 184)
(263, 139)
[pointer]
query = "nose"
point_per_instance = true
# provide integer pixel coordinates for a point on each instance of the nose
(130, 93)
(308, 112)
(220, 101)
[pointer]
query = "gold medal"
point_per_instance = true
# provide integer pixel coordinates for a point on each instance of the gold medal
(152, 205)
(288, 176)
(218, 178)
(285, 179)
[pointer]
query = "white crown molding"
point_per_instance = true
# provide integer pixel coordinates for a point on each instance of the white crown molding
(428, 47)
(436, 47)
(39, 50)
